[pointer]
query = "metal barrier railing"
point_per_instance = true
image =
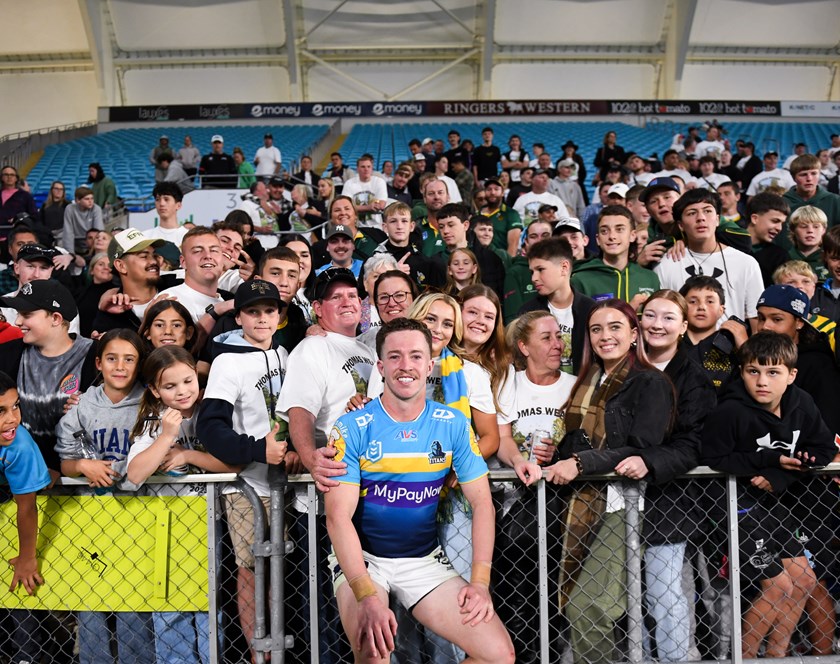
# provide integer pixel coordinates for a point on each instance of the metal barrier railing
(298, 618)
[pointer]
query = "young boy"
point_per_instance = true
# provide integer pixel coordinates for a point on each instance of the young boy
(767, 214)
(730, 197)
(168, 197)
(519, 289)
(807, 228)
(47, 363)
(614, 275)
(23, 469)
(712, 349)
(768, 430)
(550, 262)
(239, 422)
(826, 299)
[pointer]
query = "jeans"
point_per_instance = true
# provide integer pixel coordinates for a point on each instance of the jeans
(182, 637)
(134, 635)
(666, 601)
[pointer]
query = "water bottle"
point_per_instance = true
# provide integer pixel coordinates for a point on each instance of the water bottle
(87, 447)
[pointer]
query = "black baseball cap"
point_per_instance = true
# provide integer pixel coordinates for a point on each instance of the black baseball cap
(658, 184)
(333, 275)
(256, 290)
(46, 294)
(36, 252)
(495, 181)
(338, 229)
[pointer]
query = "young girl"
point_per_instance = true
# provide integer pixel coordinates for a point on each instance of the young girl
(93, 440)
(167, 322)
(463, 271)
(165, 441)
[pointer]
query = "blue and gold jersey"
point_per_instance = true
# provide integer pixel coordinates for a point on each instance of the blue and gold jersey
(400, 468)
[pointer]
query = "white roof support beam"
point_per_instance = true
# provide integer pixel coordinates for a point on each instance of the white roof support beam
(677, 33)
(487, 50)
(101, 40)
(290, 17)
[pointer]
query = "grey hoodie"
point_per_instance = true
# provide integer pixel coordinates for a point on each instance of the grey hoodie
(107, 424)
(77, 223)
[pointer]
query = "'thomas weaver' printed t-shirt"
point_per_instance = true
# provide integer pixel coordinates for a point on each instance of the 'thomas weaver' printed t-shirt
(400, 468)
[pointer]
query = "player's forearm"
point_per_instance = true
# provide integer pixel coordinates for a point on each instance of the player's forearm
(483, 529)
(27, 524)
(345, 541)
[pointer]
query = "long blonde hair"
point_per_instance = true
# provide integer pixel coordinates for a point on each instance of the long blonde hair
(421, 307)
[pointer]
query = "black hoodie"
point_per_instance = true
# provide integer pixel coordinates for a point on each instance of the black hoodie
(742, 438)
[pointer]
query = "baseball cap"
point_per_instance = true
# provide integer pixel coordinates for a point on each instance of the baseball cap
(338, 229)
(785, 298)
(540, 171)
(566, 162)
(658, 184)
(217, 138)
(268, 136)
(170, 252)
(427, 140)
(45, 294)
(546, 208)
(419, 157)
(618, 189)
(130, 241)
(277, 181)
(256, 290)
(333, 275)
(771, 153)
(163, 137)
(569, 222)
(495, 181)
(36, 252)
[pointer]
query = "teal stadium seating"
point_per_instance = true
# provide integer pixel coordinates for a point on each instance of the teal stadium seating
(124, 153)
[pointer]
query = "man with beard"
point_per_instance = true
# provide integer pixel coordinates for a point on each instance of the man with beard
(343, 213)
(507, 225)
(133, 261)
(435, 196)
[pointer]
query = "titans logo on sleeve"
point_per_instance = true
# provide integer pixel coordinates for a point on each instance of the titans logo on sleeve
(400, 468)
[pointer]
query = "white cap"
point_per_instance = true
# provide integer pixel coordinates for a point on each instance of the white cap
(618, 189)
(217, 138)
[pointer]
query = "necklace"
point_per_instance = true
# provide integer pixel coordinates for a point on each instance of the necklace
(700, 272)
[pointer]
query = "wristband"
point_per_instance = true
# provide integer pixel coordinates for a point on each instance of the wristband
(578, 463)
(481, 573)
(362, 586)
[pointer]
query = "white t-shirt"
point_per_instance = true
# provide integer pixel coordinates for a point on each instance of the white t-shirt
(269, 159)
(528, 407)
(713, 148)
(642, 179)
(326, 372)
(364, 193)
(230, 280)
(528, 205)
(778, 177)
(681, 173)
(194, 301)
(712, 182)
(735, 271)
(452, 188)
(566, 320)
(248, 380)
(186, 438)
(173, 235)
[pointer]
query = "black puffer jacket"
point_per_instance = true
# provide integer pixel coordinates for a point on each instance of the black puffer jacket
(671, 513)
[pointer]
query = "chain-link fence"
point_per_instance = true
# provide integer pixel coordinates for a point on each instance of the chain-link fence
(201, 569)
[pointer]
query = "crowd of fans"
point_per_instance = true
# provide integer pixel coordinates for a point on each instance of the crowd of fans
(685, 316)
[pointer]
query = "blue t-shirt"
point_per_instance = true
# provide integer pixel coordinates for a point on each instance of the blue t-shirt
(400, 468)
(22, 465)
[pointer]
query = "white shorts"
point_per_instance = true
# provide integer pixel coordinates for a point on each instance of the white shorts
(408, 579)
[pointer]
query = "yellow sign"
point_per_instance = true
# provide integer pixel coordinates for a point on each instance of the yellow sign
(106, 553)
